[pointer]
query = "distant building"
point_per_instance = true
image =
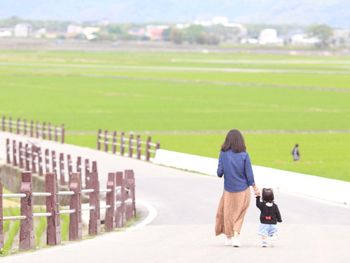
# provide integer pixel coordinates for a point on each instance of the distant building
(251, 41)
(40, 33)
(22, 30)
(90, 32)
(155, 32)
(303, 40)
(74, 30)
(137, 31)
(182, 26)
(51, 35)
(6, 32)
(269, 37)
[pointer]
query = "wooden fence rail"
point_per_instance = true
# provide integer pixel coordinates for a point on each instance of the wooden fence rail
(120, 206)
(34, 129)
(131, 145)
(33, 158)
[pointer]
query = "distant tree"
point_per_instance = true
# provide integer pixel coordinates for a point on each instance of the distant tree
(11, 21)
(105, 35)
(201, 39)
(166, 34)
(323, 32)
(193, 33)
(207, 39)
(176, 36)
(226, 33)
(212, 39)
(115, 30)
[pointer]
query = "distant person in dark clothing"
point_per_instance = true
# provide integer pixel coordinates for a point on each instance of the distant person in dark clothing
(295, 153)
(269, 216)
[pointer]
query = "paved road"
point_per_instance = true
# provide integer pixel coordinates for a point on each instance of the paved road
(183, 231)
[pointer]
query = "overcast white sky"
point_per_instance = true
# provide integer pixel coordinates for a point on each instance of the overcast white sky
(334, 12)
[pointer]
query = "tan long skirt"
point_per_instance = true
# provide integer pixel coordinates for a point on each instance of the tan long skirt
(231, 211)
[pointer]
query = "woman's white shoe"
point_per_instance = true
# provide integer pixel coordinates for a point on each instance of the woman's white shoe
(235, 242)
(228, 242)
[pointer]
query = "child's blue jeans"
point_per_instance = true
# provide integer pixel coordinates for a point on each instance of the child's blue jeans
(267, 230)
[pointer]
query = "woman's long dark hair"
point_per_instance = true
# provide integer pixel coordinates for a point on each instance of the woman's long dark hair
(234, 141)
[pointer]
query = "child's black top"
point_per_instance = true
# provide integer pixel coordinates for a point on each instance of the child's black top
(270, 213)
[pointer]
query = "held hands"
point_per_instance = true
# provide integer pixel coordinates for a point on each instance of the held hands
(256, 190)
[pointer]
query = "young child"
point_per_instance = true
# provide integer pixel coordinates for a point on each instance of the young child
(269, 216)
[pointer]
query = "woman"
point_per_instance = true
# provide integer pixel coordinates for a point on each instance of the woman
(235, 166)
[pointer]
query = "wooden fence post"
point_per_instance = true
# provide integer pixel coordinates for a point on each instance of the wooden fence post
(94, 166)
(40, 162)
(106, 141)
(130, 185)
(27, 158)
(114, 145)
(43, 132)
(110, 200)
(75, 222)
(148, 148)
(122, 145)
(26, 234)
(14, 153)
(37, 129)
(34, 158)
(53, 230)
(54, 162)
(20, 155)
(94, 222)
(8, 151)
(128, 199)
(18, 129)
(25, 127)
(99, 139)
(138, 146)
(10, 124)
(1, 219)
(31, 128)
(61, 164)
(55, 134)
(62, 133)
(158, 145)
(78, 164)
(131, 144)
(87, 171)
(69, 167)
(120, 197)
(49, 130)
(47, 162)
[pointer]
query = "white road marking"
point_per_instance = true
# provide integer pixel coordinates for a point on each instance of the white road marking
(152, 214)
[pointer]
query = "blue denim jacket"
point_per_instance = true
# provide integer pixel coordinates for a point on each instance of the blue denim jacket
(236, 169)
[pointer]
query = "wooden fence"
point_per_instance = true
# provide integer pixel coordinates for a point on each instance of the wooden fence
(33, 158)
(33, 129)
(119, 207)
(130, 145)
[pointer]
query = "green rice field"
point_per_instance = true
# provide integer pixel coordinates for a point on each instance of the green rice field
(189, 100)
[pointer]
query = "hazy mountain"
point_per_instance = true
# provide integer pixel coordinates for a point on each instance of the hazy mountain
(333, 12)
